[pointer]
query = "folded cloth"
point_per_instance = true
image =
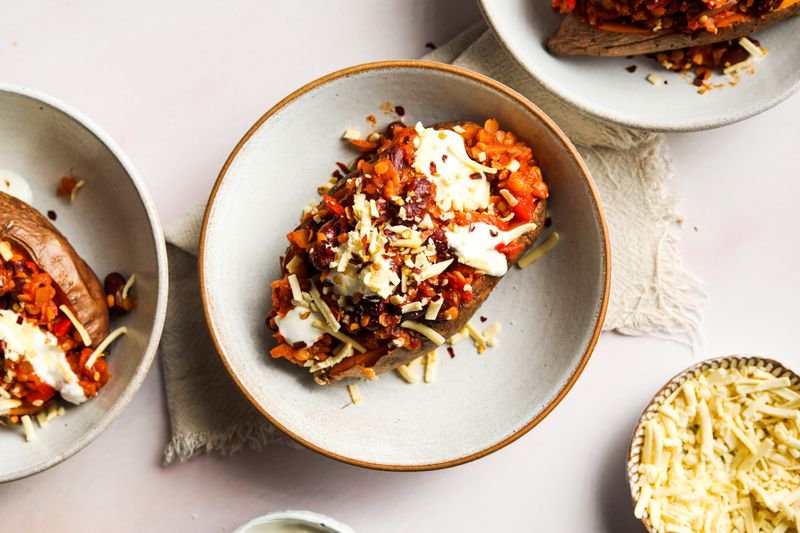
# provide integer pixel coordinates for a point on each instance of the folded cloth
(651, 292)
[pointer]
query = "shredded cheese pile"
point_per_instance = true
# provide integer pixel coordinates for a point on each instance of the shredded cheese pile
(722, 454)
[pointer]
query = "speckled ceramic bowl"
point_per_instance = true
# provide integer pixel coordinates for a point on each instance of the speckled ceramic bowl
(294, 522)
(602, 87)
(551, 313)
(637, 440)
(113, 225)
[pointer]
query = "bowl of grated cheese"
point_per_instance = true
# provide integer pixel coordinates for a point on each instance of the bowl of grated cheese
(718, 449)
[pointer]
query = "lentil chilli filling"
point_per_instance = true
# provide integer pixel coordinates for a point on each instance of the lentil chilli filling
(653, 15)
(401, 245)
(31, 300)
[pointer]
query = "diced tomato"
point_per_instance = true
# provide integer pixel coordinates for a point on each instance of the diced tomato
(43, 392)
(564, 6)
(334, 206)
(62, 327)
(511, 250)
(523, 211)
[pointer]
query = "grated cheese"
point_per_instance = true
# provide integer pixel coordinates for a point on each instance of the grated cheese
(5, 251)
(323, 308)
(87, 340)
(751, 47)
(6, 404)
(715, 457)
(98, 352)
(27, 425)
(294, 284)
(433, 309)
(430, 366)
(345, 352)
(434, 270)
(355, 393)
(411, 307)
(408, 371)
(510, 198)
(339, 335)
(423, 330)
(351, 134)
(74, 194)
(128, 285)
(540, 251)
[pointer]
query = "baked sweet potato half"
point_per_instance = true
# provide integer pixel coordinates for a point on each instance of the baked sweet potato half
(54, 317)
(405, 247)
(626, 27)
(25, 228)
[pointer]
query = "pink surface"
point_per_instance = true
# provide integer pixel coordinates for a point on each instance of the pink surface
(177, 85)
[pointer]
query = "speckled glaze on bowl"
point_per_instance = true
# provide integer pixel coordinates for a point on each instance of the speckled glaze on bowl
(313, 522)
(113, 225)
(551, 312)
(637, 440)
(603, 88)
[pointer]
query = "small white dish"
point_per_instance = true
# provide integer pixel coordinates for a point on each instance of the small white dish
(603, 88)
(114, 226)
(551, 313)
(294, 522)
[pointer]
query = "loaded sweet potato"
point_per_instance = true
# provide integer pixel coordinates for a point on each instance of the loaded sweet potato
(630, 27)
(405, 247)
(54, 316)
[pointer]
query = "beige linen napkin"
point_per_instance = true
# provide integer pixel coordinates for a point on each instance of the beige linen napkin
(651, 292)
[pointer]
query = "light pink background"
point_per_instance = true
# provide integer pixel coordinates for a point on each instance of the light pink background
(178, 83)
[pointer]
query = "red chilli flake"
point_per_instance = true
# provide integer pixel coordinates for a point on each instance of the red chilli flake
(451, 352)
(400, 110)
(433, 168)
(484, 319)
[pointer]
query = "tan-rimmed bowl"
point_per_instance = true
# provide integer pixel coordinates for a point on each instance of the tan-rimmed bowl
(114, 226)
(551, 312)
(637, 440)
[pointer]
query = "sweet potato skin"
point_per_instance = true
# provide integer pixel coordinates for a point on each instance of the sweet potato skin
(29, 230)
(575, 37)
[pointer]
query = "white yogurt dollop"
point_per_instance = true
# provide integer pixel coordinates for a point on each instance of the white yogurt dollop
(27, 340)
(475, 245)
(294, 328)
(15, 185)
(442, 157)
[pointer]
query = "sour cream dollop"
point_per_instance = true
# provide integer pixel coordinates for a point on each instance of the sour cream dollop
(294, 328)
(41, 349)
(475, 245)
(442, 157)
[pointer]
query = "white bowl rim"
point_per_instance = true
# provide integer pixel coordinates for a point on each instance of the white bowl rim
(163, 279)
(497, 86)
(307, 517)
(587, 107)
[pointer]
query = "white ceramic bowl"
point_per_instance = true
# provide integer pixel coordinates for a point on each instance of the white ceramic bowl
(113, 225)
(551, 312)
(293, 521)
(602, 87)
